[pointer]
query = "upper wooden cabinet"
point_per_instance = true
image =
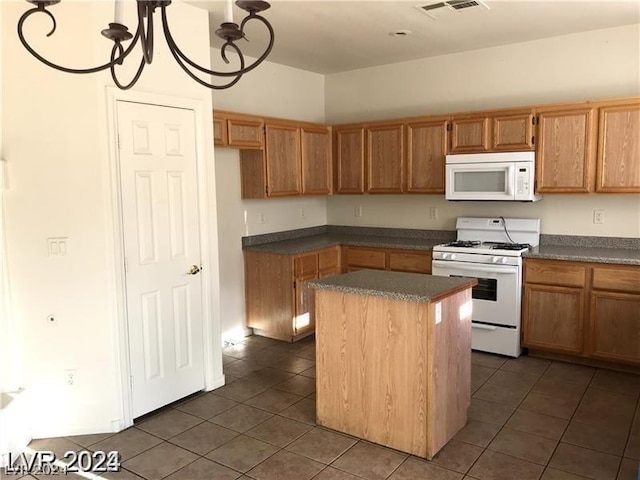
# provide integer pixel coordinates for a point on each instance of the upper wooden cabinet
(385, 158)
(470, 135)
(316, 160)
(565, 149)
(295, 161)
(349, 144)
(237, 130)
(618, 161)
(513, 131)
(494, 131)
(283, 162)
(427, 148)
(220, 138)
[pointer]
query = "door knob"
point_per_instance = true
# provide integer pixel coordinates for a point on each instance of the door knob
(194, 270)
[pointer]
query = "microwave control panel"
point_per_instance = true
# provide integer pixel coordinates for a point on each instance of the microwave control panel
(524, 181)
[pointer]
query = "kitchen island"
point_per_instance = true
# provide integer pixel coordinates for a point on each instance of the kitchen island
(393, 357)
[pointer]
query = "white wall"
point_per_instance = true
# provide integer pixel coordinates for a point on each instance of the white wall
(590, 65)
(56, 145)
(276, 91)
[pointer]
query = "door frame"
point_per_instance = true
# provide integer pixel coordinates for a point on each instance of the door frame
(212, 343)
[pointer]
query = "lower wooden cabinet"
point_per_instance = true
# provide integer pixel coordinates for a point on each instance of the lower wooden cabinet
(585, 309)
(397, 260)
(279, 302)
(553, 318)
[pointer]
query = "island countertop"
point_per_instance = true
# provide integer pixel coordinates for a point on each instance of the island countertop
(412, 287)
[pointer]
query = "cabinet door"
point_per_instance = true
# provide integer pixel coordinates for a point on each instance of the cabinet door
(363, 257)
(316, 161)
(283, 160)
(565, 150)
(349, 160)
(304, 321)
(614, 329)
(408, 261)
(219, 131)
(245, 133)
(385, 158)
(470, 135)
(512, 132)
(427, 146)
(553, 318)
(619, 149)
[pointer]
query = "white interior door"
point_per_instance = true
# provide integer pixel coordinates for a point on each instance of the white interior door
(158, 175)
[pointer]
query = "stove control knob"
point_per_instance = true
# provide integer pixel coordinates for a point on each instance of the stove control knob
(453, 256)
(504, 260)
(495, 259)
(445, 256)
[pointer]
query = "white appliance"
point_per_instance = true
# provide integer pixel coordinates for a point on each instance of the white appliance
(490, 249)
(506, 176)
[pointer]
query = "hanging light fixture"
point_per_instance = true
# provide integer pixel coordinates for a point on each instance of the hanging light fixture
(229, 31)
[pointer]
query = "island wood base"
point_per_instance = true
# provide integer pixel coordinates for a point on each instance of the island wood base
(387, 373)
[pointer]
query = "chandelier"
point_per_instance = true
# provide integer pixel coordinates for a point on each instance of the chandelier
(229, 31)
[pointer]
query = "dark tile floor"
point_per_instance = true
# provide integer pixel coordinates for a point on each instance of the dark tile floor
(529, 419)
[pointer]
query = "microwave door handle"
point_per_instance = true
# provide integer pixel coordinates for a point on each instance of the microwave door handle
(480, 326)
(483, 269)
(511, 180)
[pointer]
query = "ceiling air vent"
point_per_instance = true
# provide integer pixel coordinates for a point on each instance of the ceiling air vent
(451, 5)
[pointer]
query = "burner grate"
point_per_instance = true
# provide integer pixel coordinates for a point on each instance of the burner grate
(464, 243)
(510, 246)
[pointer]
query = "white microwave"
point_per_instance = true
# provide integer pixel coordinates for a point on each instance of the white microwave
(506, 176)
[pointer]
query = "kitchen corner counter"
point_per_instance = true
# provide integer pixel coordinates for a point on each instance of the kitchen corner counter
(621, 256)
(324, 240)
(412, 287)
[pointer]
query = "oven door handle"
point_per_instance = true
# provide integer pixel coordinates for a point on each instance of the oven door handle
(482, 269)
(483, 327)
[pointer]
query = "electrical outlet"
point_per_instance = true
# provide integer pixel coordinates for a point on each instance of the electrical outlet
(433, 213)
(598, 216)
(302, 212)
(260, 217)
(70, 377)
(358, 211)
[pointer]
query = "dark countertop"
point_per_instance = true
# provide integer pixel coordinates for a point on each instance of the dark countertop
(315, 242)
(608, 250)
(622, 256)
(411, 287)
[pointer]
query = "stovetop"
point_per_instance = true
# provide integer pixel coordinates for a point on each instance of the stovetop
(476, 246)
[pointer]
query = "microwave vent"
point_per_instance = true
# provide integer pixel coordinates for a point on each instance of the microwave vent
(451, 5)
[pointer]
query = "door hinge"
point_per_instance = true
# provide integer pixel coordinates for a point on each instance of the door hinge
(131, 382)
(448, 127)
(126, 265)
(533, 140)
(118, 140)
(266, 189)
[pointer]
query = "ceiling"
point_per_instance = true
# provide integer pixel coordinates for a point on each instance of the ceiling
(335, 36)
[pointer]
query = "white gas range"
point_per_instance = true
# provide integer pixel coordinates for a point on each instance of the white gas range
(490, 249)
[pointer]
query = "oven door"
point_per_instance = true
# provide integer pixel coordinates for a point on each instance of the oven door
(480, 181)
(496, 298)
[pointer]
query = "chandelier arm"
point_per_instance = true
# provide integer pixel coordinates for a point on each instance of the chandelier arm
(146, 35)
(26, 45)
(180, 62)
(136, 77)
(174, 48)
(272, 38)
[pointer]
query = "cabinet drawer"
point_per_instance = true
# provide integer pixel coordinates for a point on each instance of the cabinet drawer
(366, 258)
(305, 265)
(329, 259)
(552, 273)
(618, 278)
(418, 262)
